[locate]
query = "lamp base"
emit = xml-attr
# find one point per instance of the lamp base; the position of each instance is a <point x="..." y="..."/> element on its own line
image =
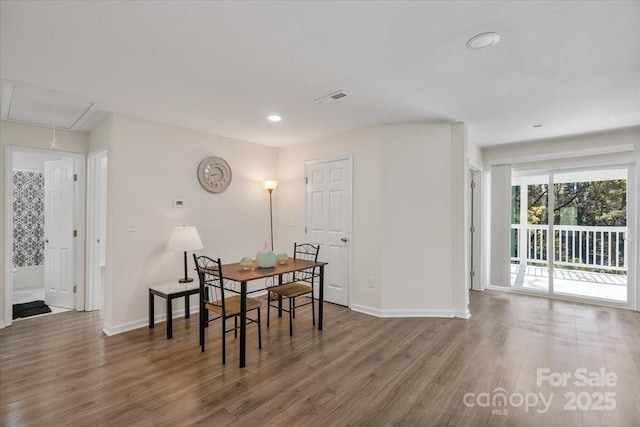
<point x="185" y="280"/>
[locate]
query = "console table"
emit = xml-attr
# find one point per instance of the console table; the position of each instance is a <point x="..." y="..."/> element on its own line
<point x="170" y="291"/>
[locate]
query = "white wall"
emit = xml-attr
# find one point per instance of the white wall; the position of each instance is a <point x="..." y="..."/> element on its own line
<point x="289" y="198"/>
<point x="402" y="214"/>
<point x="475" y="155"/>
<point x="150" y="164"/>
<point x="28" y="277"/>
<point x="12" y="133"/>
<point x="33" y="137"/>
<point x="100" y="136"/>
<point x="563" y="148"/>
<point x="406" y="218"/>
<point x="416" y="219"/>
<point x="31" y="161"/>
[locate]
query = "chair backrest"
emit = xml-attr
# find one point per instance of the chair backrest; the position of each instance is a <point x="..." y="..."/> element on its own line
<point x="309" y="252"/>
<point x="211" y="282"/>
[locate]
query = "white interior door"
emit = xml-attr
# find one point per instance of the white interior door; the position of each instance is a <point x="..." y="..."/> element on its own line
<point x="328" y="222"/>
<point x="58" y="233"/>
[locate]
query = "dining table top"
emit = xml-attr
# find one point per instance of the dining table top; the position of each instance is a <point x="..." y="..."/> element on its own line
<point x="236" y="273"/>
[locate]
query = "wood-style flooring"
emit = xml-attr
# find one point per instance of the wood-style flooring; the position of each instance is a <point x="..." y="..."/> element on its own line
<point x="360" y="371"/>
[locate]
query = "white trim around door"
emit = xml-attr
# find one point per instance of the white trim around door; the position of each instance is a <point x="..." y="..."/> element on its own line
<point x="336" y="247"/>
<point x="96" y="219"/>
<point x="79" y="162"/>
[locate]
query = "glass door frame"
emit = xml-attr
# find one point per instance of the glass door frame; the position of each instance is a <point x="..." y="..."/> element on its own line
<point x="523" y="239"/>
<point x="631" y="168"/>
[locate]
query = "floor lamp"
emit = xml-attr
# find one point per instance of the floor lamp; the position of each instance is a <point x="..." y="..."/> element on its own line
<point x="183" y="239"/>
<point x="270" y="186"/>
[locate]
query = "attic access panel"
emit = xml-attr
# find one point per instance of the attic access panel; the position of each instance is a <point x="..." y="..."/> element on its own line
<point x="34" y="105"/>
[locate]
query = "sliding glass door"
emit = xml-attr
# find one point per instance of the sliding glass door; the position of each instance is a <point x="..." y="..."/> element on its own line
<point x="590" y="230"/>
<point x="530" y="232"/>
<point x="571" y="240"/>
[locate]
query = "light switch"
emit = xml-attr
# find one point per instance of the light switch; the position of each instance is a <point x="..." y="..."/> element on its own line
<point x="131" y="226"/>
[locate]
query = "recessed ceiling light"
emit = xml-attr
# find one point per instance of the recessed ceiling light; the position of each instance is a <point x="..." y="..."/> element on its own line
<point x="483" y="40"/>
<point x="538" y="125"/>
<point x="274" y="118"/>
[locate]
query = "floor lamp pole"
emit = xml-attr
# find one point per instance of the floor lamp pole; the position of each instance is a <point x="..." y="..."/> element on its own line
<point x="271" y="216"/>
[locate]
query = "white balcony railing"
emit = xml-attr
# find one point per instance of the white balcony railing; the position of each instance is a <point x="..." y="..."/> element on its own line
<point x="574" y="245"/>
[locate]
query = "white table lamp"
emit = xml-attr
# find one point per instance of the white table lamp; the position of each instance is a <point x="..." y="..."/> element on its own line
<point x="183" y="239"/>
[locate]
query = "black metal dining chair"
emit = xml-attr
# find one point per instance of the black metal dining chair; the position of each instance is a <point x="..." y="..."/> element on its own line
<point x="213" y="298"/>
<point x="300" y="284"/>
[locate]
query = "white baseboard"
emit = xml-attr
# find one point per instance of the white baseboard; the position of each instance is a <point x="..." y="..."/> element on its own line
<point x="417" y="313"/>
<point x="129" y="326"/>
<point x="402" y="313"/>
<point x="462" y="314"/>
<point x="1" y="324"/>
<point x="365" y="310"/>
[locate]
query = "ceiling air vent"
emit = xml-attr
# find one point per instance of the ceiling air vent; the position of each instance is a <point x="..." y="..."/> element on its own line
<point x="331" y="97"/>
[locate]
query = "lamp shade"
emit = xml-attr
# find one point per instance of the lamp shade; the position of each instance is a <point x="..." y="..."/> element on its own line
<point x="270" y="184"/>
<point x="184" y="238"/>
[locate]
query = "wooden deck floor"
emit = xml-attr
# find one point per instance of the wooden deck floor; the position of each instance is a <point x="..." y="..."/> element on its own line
<point x="359" y="371"/>
<point x="603" y="286"/>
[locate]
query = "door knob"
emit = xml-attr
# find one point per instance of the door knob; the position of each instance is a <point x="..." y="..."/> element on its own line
<point x="344" y="240"/>
<point x="46" y="240"/>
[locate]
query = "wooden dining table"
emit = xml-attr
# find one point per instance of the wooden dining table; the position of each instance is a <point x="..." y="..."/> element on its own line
<point x="235" y="273"/>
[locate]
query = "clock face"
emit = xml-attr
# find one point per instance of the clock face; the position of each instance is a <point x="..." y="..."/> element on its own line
<point x="214" y="174"/>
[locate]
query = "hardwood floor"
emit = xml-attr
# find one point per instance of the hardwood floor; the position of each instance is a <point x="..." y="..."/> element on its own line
<point x="359" y="371"/>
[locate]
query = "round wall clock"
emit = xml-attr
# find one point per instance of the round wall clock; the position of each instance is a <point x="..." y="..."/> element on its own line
<point x="214" y="174"/>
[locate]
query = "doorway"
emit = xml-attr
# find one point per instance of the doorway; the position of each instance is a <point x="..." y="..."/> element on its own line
<point x="570" y="233"/>
<point x="96" y="229"/>
<point x="328" y="222"/>
<point x="474" y="213"/>
<point x="45" y="218"/>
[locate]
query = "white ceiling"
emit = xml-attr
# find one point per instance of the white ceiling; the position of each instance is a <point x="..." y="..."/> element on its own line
<point x="222" y="67"/>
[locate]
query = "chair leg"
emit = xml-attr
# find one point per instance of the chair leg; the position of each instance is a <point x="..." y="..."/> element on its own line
<point x="235" y="326"/>
<point x="224" y="328"/>
<point x="268" y="306"/>
<point x="259" y="330"/>
<point x="313" y="309"/>
<point x="291" y="317"/>
<point x="202" y="322"/>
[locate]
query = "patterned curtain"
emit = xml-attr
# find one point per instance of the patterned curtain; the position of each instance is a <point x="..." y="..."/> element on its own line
<point x="28" y="218"/>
